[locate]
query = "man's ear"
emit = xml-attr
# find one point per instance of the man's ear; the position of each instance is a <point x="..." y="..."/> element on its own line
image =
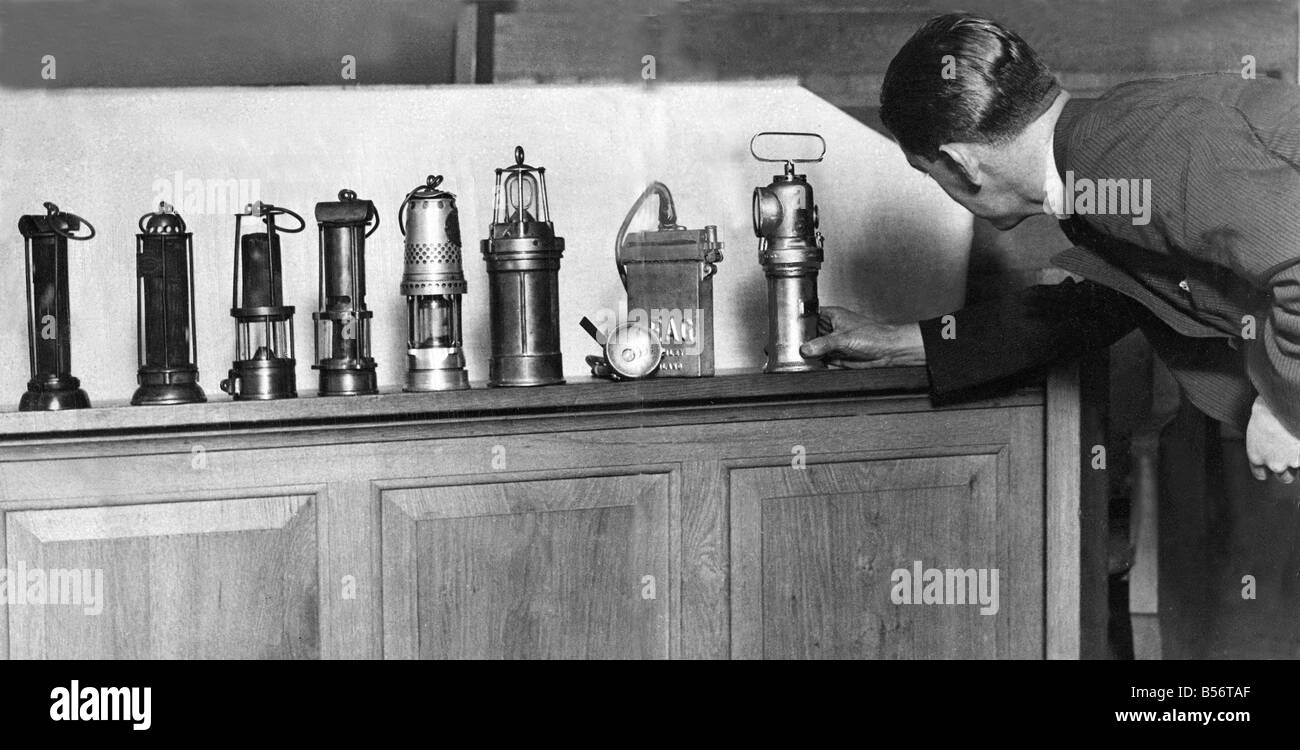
<point x="963" y="161"/>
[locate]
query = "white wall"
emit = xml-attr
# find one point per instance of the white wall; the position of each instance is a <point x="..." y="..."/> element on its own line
<point x="894" y="242"/>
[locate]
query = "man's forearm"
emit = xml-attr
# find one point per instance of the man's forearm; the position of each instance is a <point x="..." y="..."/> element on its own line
<point x="1010" y="339"/>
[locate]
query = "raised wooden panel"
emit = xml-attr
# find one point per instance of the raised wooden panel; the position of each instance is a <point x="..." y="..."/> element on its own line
<point x="521" y="529"/>
<point x="814" y="550"/>
<point x="181" y="580"/>
<point x="541" y="568"/>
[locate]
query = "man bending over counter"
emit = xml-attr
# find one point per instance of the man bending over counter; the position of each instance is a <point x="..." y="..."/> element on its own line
<point x="1181" y="197"/>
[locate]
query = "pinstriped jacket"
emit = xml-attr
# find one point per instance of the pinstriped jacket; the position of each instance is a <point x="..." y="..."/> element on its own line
<point x="1212" y="277"/>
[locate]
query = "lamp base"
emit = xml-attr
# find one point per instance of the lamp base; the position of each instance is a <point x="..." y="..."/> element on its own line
<point x="794" y="366"/>
<point x="261" y="380"/>
<point x="54" y="395"/>
<point x="435" y="369"/>
<point x="511" y="370"/>
<point x="436" y="380"/>
<point x="157" y="394"/>
<point x="347" y="382"/>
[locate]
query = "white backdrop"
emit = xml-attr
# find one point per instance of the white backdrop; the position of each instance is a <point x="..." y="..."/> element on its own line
<point x="894" y="243"/>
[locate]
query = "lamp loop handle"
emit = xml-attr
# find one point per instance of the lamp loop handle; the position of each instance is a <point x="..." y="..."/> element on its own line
<point x="429" y="188"/>
<point x="53" y="210"/>
<point x="375" y="214"/>
<point x="273" y="210"/>
<point x="347" y="195"/>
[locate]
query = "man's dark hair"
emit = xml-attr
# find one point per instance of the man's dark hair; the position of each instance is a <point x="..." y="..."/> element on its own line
<point x="988" y="91"/>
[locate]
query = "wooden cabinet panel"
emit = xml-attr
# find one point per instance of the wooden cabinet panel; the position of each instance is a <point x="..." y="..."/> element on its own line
<point x="194" y="580"/>
<point x="814" y="551"/>
<point x="543" y="568"/>
<point x="649" y="519"/>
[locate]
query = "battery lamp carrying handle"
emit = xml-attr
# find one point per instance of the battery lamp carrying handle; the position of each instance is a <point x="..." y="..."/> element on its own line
<point x="667" y="220"/>
<point x="789" y="162"/>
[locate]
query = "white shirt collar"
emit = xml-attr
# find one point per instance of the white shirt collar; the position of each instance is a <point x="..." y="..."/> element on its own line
<point x="1053" y="188"/>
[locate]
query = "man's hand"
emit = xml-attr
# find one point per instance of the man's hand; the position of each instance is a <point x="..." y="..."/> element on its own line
<point x="854" y="340"/>
<point x="1270" y="447"/>
<point x="831" y="319"/>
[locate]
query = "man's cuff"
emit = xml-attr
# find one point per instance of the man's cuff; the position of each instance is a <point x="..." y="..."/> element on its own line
<point x="1280" y="390"/>
<point x="953" y="366"/>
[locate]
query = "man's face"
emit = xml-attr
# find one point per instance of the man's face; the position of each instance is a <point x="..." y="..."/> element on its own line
<point x="993" y="199"/>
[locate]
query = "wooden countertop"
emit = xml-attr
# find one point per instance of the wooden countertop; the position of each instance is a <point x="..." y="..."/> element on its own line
<point x="580" y="394"/>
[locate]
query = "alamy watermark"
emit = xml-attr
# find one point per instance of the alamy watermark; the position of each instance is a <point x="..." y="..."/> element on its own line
<point x="38" y="587"/>
<point x="953" y="586"/>
<point x="193" y="196"/>
<point x="127" y="704"/>
<point x="1086" y="196"/>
